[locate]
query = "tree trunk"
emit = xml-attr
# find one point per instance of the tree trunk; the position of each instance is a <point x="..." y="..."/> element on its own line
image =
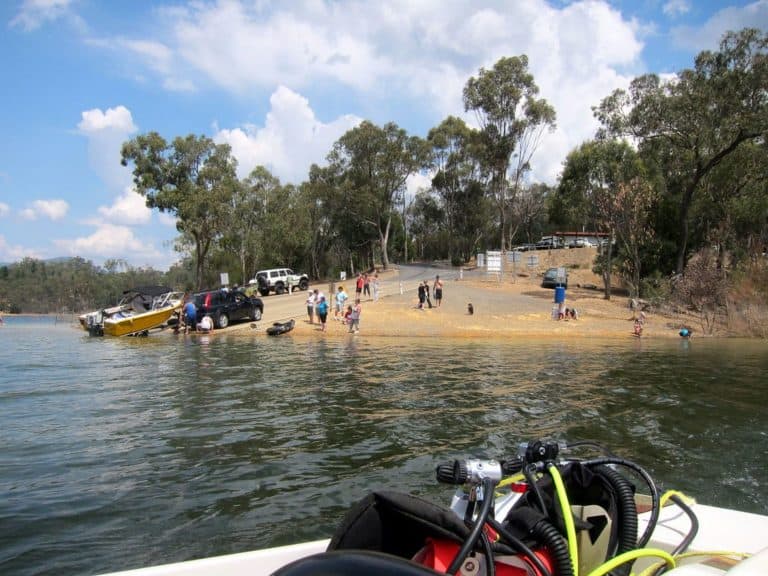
<point x="682" y="246"/>
<point x="607" y="268"/>
<point x="384" y="240"/>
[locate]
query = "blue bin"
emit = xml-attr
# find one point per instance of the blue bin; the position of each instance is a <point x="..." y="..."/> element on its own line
<point x="559" y="294"/>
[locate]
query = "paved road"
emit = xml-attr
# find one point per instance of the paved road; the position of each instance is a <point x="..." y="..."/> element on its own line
<point x="279" y="308"/>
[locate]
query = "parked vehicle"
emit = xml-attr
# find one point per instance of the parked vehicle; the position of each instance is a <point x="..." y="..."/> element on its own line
<point x="551" y="280"/>
<point x="524" y="247"/>
<point x="579" y="243"/>
<point x="549" y="242"/>
<point x="278" y="280"/>
<point x="226" y="306"/>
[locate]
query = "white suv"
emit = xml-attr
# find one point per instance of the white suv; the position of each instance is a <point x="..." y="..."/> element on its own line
<point x="278" y="280"/>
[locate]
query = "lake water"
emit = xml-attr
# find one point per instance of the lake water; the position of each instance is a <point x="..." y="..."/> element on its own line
<point x="120" y="453"/>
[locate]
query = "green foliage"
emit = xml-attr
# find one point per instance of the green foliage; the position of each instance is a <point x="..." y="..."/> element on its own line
<point x="691" y="125"/>
<point x="512" y="121"/>
<point x="192" y="178"/>
<point x="74" y="285"/>
<point x="369" y="167"/>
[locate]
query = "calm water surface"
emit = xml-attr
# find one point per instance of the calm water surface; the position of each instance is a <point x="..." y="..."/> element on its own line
<point x="120" y="453"/>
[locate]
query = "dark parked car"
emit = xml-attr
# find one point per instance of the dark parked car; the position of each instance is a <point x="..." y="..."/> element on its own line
<point x="225" y="306"/>
<point x="550" y="279"/>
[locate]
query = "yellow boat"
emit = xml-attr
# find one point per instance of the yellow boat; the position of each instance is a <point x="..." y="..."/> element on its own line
<point x="126" y="323"/>
<point x="134" y="301"/>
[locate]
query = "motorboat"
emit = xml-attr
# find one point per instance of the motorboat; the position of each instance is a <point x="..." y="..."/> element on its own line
<point x="607" y="531"/>
<point x="130" y="322"/>
<point x="133" y="301"/>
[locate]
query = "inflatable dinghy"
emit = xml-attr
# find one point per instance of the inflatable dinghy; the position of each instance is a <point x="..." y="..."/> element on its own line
<point x="281" y="327"/>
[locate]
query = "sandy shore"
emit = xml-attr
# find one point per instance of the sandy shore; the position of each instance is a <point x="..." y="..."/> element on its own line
<point x="502" y="309"/>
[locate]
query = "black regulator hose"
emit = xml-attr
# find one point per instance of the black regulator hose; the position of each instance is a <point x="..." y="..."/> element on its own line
<point x="474" y="535"/>
<point x="625" y="496"/>
<point x="490" y="565"/>
<point x="520" y="546"/>
<point x="655" y="501"/>
<point x="556" y="544"/>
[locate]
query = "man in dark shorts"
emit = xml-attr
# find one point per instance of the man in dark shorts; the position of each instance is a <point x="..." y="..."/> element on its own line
<point x="438" y="288"/>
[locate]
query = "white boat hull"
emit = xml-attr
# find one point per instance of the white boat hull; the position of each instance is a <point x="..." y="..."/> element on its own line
<point x="720" y="529"/>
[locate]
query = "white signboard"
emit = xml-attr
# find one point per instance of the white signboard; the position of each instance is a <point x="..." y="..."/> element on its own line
<point x="533" y="261"/>
<point x="481" y="260"/>
<point x="494" y="261"/>
<point x="224" y="276"/>
<point x="343" y="275"/>
<point x="514" y="256"/>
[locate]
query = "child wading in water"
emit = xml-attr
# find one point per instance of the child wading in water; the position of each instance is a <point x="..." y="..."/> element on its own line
<point x="354" y="318"/>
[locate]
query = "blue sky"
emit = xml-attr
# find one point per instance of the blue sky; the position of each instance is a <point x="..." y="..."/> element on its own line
<point x="280" y="82"/>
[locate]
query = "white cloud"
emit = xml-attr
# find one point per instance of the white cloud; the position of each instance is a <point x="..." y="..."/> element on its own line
<point x="112" y="241"/>
<point x="413" y="58"/>
<point x="14" y="253"/>
<point x="4" y="209"/>
<point x="128" y="209"/>
<point x="106" y="131"/>
<point x="291" y="139"/>
<point x="116" y="119"/>
<point x="166" y="219"/>
<point x="418" y="182"/>
<point x="51" y="209"/>
<point x="35" y="13"/>
<point x="675" y="8"/>
<point x="708" y="36"/>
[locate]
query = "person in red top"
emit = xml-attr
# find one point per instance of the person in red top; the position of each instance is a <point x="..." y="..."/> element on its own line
<point x="359" y="286"/>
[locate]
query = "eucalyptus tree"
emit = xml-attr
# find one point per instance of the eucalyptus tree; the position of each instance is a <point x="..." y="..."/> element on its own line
<point x="530" y="211"/>
<point x="609" y="176"/>
<point x="693" y="122"/>
<point x="192" y="178"/>
<point x="427" y="226"/>
<point x="512" y="121"/>
<point x="247" y="217"/>
<point x="373" y="165"/>
<point x="733" y="205"/>
<point x="457" y="181"/>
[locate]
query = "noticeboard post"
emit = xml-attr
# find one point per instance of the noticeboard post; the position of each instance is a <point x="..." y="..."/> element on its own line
<point x="493" y="262"/>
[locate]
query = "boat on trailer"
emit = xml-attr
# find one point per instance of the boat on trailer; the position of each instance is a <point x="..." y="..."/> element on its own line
<point x="669" y="533"/>
<point x="134" y="301"/>
<point x="126" y="323"/>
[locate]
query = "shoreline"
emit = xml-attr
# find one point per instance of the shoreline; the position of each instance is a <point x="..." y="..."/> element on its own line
<point x="508" y="309"/>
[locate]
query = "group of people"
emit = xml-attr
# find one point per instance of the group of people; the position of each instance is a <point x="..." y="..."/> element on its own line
<point x="424" y="291"/>
<point x="189" y="318"/>
<point x="317" y="304"/>
<point x="566" y="313"/>
<point x="363" y="286"/>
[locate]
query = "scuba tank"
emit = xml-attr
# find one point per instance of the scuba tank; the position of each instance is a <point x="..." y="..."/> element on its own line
<point x="534" y="514"/>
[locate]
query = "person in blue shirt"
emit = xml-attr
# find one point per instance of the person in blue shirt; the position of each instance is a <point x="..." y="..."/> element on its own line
<point x="190" y="315"/>
<point x="322" y="312"/>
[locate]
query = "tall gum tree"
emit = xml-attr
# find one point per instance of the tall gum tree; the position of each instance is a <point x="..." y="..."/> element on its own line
<point x="512" y="120"/>
<point x="691" y="123"/>
<point x="193" y="178"/>
<point x="457" y="182"/>
<point x="374" y="164"/>
<point x="606" y="178"/>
